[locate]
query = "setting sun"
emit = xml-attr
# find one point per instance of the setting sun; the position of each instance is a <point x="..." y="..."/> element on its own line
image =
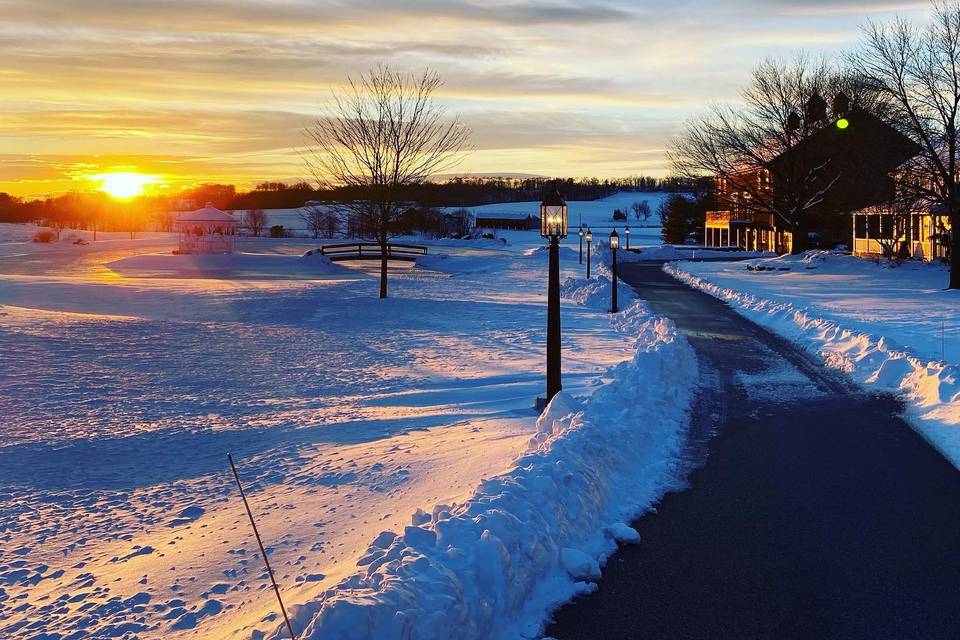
<point x="123" y="184"/>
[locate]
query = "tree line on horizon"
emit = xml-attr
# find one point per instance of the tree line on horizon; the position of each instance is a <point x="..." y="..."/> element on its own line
<point x="84" y="210"/>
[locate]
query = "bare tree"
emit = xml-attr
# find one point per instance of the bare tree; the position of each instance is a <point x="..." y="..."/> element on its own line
<point x="915" y="71"/>
<point x="384" y="134"/>
<point x="319" y="219"/>
<point x="164" y="220"/>
<point x="893" y="218"/>
<point x="641" y="210"/>
<point x="763" y="141"/>
<point x="256" y="221"/>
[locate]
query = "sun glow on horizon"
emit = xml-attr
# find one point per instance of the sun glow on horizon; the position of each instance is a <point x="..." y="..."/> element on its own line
<point x="123" y="184"/>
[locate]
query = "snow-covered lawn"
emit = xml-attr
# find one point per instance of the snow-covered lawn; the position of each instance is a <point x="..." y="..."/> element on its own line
<point x="127" y="374"/>
<point x="595" y="213"/>
<point x="590" y="212"/>
<point x="890" y="327"/>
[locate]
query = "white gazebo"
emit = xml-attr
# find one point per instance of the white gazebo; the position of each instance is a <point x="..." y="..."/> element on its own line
<point x="206" y="230"/>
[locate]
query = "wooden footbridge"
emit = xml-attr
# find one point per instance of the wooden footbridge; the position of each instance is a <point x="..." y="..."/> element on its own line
<point x="371" y="251"/>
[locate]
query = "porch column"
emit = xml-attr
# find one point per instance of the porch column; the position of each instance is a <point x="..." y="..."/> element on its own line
<point x="866" y="233"/>
<point x="853" y="234"/>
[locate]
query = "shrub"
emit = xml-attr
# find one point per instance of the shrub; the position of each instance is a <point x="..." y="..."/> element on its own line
<point x="45" y="235"/>
<point x="683" y="218"/>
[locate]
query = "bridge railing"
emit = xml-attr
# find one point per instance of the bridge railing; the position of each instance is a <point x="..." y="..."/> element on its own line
<point x="371" y="250"/>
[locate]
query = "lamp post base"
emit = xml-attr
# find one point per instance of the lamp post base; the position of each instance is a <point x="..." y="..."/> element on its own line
<point x="541" y="404"/>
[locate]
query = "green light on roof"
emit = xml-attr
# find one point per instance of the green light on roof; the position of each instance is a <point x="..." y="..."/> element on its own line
<point x="843" y="123"/>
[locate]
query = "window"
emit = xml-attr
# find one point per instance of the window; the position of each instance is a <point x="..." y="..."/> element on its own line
<point x="860" y="226"/>
<point x="886" y="226"/>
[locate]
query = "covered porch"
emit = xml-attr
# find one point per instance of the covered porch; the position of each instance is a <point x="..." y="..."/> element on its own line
<point x="921" y="235"/>
<point x="748" y="231"/>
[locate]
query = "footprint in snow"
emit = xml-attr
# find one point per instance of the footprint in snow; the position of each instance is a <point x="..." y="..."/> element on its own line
<point x="188" y="515"/>
<point x="142" y="551"/>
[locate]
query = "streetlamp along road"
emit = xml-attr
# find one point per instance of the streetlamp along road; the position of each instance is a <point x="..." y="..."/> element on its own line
<point x="580" y="233"/>
<point x="553" y="226"/>
<point x="614" y="245"/>
<point x="589" y="237"/>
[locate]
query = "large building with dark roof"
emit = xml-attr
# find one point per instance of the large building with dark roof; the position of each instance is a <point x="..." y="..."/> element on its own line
<point x="855" y="155"/>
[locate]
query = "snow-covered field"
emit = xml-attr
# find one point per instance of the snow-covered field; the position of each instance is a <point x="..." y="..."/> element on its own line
<point x="890" y="327"/>
<point x="389" y="447"/>
<point x="597" y="214"/>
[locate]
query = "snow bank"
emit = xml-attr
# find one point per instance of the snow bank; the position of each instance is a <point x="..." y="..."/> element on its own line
<point x="316" y="259"/>
<point x="671" y="252"/>
<point x="536" y="536"/>
<point x="459" y="264"/>
<point x="929" y="388"/>
<point x="602" y="254"/>
<point x="596" y="292"/>
<point x="543" y="253"/>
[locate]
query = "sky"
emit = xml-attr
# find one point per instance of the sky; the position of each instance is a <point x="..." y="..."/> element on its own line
<point x="193" y="91"/>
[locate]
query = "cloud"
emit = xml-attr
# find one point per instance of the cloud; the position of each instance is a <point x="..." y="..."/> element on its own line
<point x="226" y="86"/>
<point x="303" y="14"/>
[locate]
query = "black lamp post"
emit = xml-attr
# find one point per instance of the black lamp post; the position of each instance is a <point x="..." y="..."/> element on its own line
<point x="614" y="245"/>
<point x="580" y="233"/>
<point x="626" y="232"/>
<point x="589" y="238"/>
<point x="553" y="225"/>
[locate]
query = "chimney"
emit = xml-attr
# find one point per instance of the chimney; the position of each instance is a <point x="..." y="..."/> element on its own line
<point x="841" y="105"/>
<point x="815" y="109"/>
<point x="793" y="121"/>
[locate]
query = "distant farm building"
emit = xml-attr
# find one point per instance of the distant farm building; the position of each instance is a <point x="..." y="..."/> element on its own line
<point x="512" y="221"/>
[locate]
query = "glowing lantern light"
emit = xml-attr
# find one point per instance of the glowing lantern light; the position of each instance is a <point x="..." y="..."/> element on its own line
<point x="553" y="216"/>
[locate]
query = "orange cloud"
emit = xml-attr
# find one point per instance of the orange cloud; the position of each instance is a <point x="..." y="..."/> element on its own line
<point x="203" y="90"/>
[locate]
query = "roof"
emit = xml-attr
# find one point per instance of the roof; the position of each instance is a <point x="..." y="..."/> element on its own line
<point x="207" y="214"/>
<point x="553" y="199"/>
<point x="922" y="156"/>
<point x="935" y="209"/>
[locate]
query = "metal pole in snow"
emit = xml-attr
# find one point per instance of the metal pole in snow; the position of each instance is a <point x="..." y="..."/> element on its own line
<point x="588" y="259"/>
<point x="262" y="550"/>
<point x="554" y="385"/>
<point x="613" y="305"/>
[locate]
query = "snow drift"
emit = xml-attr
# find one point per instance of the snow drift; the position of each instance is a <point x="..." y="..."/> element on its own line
<point x="595" y="293"/>
<point x="459" y="264"/>
<point x="221" y="264"/>
<point x="930" y="388"/>
<point x="534" y="537"/>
